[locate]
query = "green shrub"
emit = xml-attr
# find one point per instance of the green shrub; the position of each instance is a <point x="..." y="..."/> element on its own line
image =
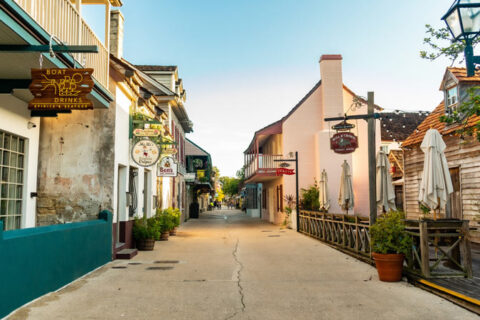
<point x="388" y="234"/>
<point x="165" y="220"/>
<point x="145" y="229"/>
<point x="309" y="199"/>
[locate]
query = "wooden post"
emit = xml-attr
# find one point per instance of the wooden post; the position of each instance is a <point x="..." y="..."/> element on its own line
<point x="372" y="186"/>
<point x="357" y="234"/>
<point x="424" y="253"/>
<point x="465" y="249"/>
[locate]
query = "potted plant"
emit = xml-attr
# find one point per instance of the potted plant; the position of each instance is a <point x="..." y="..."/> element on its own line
<point x="145" y="232"/>
<point x="165" y="224"/>
<point x="290" y="200"/>
<point x="175" y="215"/>
<point x="390" y="244"/>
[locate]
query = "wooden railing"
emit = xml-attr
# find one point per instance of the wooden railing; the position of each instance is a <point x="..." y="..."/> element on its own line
<point x="441" y="249"/>
<point x="60" y="18"/>
<point x="347" y="233"/>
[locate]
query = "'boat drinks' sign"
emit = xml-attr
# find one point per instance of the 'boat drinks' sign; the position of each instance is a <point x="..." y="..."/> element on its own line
<point x="58" y="89"/>
<point x="343" y="142"/>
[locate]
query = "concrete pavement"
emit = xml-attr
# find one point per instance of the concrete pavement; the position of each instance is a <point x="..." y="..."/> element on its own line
<point x="228" y="266"/>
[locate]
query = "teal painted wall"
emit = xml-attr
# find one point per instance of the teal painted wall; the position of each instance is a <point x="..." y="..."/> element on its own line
<point x="36" y="261"/>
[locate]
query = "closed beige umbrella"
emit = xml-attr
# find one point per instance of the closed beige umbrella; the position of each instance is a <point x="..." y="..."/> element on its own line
<point x="345" y="197"/>
<point x="323" y="198"/>
<point x="385" y="191"/>
<point x="436" y="182"/>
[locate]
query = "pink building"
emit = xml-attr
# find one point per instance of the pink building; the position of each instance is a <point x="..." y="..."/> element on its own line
<point x="304" y="130"/>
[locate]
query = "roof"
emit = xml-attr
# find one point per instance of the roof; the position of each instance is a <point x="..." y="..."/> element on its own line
<point x="461" y="74"/>
<point x="146" y="67"/>
<point x="273" y="128"/>
<point x="398" y="126"/>
<point x="192" y="149"/>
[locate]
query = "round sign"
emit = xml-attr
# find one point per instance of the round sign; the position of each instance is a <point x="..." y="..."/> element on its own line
<point x="145" y="153"/>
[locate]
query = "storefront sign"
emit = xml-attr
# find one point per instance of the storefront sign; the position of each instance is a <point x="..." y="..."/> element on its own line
<point x="343" y="142"/>
<point x="146" y="132"/>
<point x="284" y="165"/>
<point x="189" y="177"/>
<point x="167" y="167"/>
<point x="170" y="151"/>
<point x="145" y="153"/>
<point x="61" y="89"/>
<point x="283" y="171"/>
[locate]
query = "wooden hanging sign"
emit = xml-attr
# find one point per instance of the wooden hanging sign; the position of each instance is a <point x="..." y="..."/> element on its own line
<point x="343" y="142"/>
<point x="61" y="89"/>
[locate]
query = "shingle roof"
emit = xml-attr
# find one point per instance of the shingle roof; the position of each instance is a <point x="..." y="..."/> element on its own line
<point x="398" y="126"/>
<point x="461" y="74"/>
<point x="156" y="68"/>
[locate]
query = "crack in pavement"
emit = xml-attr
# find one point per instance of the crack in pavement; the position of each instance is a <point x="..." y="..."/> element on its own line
<point x="238" y="280"/>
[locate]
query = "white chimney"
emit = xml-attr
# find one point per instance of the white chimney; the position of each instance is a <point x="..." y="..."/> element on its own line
<point x="332" y="85"/>
<point x="116" y="33"/>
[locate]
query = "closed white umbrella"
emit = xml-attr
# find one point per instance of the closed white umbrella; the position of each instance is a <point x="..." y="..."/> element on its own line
<point x="436" y="182"/>
<point x="385" y="191"/>
<point x="323" y="192"/>
<point x="345" y="197"/>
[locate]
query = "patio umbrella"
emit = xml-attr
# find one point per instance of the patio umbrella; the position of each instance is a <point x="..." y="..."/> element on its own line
<point x="436" y="182"/>
<point x="345" y="197"/>
<point x="385" y="191"/>
<point x="323" y="192"/>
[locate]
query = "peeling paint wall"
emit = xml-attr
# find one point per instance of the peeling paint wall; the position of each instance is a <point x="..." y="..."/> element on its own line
<point x="76" y="166"/>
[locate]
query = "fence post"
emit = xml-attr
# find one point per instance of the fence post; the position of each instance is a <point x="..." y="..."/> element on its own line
<point x="105" y="215"/>
<point x="357" y="235"/>
<point x="424" y="250"/>
<point x="465" y="250"/>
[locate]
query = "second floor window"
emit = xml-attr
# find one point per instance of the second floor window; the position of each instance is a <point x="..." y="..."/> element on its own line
<point x="451" y="99"/>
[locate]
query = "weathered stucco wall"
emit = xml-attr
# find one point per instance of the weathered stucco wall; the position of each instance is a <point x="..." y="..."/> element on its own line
<point x="75" y="167"/>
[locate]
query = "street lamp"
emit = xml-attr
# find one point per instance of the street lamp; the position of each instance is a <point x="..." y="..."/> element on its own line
<point x="463" y="22"/>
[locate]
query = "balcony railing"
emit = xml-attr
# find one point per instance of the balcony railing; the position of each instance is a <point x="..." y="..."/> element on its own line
<point x="264" y="164"/>
<point x="60" y="18"/>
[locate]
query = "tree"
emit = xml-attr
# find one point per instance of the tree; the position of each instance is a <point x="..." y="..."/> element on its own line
<point x="442" y="44"/>
<point x="230" y="185"/>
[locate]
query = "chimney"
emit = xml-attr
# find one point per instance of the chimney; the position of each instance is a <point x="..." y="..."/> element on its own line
<point x="332" y="85"/>
<point x="116" y="33"/>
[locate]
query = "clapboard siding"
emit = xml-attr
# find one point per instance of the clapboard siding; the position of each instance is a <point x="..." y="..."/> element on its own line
<point x="464" y="154"/>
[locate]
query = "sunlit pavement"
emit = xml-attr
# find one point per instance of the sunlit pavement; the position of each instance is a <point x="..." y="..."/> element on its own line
<point x="228" y="266"/>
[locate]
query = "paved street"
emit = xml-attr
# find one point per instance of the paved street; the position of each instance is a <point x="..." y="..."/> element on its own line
<point x="228" y="266"/>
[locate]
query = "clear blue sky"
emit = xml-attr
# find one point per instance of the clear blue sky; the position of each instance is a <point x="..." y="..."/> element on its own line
<point x="246" y="63"/>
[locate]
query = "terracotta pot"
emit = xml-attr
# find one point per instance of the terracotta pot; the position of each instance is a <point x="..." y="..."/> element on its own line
<point x="173" y="232"/>
<point x="145" y="244"/>
<point x="164" y="236"/>
<point x="389" y="266"/>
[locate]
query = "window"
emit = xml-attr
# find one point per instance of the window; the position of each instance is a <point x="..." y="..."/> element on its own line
<point x="451" y="98"/>
<point x="12" y="173"/>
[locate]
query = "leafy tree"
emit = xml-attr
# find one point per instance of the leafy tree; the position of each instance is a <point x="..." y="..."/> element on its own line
<point x="442" y="44"/>
<point x="230" y="185"/>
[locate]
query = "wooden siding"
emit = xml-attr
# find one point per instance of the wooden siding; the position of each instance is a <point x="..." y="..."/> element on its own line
<point x="462" y="154"/>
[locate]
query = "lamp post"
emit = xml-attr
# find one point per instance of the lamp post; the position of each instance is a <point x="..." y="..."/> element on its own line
<point x="463" y="22"/>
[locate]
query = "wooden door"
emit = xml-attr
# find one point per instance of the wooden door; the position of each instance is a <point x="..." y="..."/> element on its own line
<point x="454" y="205"/>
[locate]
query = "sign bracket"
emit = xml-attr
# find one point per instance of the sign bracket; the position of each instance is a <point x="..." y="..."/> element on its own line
<point x="25" y="48"/>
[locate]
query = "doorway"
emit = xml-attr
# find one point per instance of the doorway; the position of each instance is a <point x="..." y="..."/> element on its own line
<point x="121" y="200"/>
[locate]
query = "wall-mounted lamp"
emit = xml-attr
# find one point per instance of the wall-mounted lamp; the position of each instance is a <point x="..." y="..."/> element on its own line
<point x="31" y="125"/>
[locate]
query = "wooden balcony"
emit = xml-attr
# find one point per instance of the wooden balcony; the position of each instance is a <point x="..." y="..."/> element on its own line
<point x="262" y="166"/>
<point x="60" y="18"/>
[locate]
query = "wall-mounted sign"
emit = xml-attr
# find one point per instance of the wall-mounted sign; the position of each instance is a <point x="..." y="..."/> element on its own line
<point x="167" y="167"/>
<point x="189" y="177"/>
<point x="61" y="89"/>
<point x="146" y="132"/>
<point x="284" y="171"/>
<point x="145" y="153"/>
<point x="344" y="142"/>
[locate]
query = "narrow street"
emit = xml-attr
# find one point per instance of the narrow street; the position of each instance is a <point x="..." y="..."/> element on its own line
<point x="228" y="266"/>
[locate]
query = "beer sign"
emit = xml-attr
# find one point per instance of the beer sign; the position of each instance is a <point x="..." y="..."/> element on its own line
<point x="57" y="89"/>
<point x="344" y="142"/>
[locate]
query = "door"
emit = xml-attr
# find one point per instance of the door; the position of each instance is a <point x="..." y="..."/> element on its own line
<point x="454" y="204"/>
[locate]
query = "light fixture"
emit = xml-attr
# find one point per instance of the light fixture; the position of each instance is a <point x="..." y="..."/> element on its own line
<point x="463" y="22"/>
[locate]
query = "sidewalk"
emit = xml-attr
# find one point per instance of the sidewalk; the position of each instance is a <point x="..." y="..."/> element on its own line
<point x="228" y="266"/>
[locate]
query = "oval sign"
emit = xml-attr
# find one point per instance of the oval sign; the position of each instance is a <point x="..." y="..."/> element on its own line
<point x="344" y="142"/>
<point x="145" y="153"/>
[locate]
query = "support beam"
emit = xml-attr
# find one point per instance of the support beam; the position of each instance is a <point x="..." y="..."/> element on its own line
<point x="7" y="85"/>
<point x="372" y="184"/>
<point x="46" y="48"/>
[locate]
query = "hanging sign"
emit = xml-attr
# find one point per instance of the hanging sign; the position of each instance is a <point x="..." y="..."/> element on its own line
<point x="170" y="151"/>
<point x="61" y="89"/>
<point x="343" y="142"/>
<point x="284" y="171"/>
<point x="145" y="153"/>
<point x="343" y="126"/>
<point x="167" y="167"/>
<point x="146" y="132"/>
<point x="284" y="165"/>
<point x="189" y="177"/>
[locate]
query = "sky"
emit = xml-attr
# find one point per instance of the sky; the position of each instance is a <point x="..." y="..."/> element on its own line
<point x="245" y="64"/>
